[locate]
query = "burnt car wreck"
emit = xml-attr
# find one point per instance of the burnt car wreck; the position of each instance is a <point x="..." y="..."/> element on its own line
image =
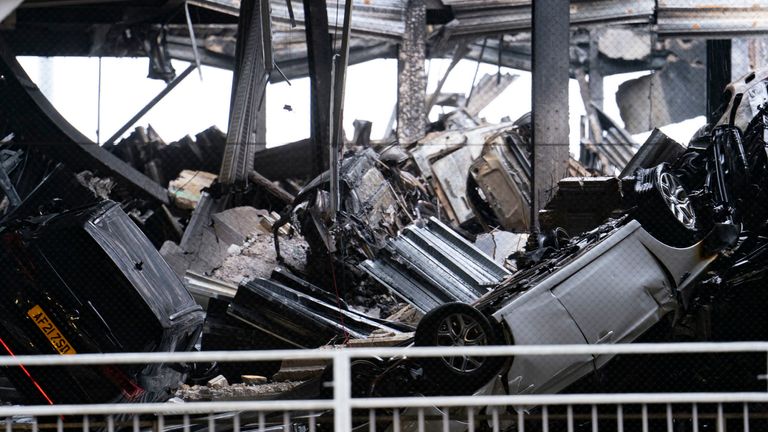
<point x="394" y="265"/>
<point x="441" y="233"/>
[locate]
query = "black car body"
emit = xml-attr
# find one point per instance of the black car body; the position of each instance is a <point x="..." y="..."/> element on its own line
<point x="88" y="281"/>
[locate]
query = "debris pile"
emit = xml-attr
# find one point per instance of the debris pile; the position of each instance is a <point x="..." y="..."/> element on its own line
<point x="430" y="243"/>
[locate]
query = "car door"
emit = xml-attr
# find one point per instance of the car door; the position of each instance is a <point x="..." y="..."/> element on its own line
<point x="619" y="294"/>
<point x="538" y="318"/>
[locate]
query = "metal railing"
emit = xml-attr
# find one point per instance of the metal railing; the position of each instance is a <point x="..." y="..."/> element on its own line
<point x="620" y="412"/>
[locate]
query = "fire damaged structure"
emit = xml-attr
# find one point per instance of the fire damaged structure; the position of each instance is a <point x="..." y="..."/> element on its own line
<point x="455" y="232"/>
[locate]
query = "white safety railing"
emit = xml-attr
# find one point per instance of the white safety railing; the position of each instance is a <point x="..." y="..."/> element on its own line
<point x="628" y="411"/>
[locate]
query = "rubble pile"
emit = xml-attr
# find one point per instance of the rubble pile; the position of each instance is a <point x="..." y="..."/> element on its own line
<point x="227" y="392"/>
<point x="427" y="244"/>
<point x="149" y="154"/>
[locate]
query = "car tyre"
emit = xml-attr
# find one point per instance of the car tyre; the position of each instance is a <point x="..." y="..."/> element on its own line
<point x="664" y="207"/>
<point x="458" y="324"/>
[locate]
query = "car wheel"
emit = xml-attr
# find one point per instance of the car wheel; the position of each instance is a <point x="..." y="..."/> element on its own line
<point x="455" y="325"/>
<point x="664" y="207"/>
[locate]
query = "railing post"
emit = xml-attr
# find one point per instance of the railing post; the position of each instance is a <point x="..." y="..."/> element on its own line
<point x="342" y="392"/>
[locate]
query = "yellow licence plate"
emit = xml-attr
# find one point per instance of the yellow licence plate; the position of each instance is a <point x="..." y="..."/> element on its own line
<point x="49" y="329"/>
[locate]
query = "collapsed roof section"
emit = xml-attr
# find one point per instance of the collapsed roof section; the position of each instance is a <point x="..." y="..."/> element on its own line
<point x="135" y="27"/>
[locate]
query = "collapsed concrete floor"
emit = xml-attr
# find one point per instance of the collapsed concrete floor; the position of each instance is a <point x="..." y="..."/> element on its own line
<point x="426" y="244"/>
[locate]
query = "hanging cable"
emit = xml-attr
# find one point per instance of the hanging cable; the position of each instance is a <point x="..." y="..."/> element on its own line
<point x="26" y="372"/>
<point x="194" y="40"/>
<point x="98" y="108"/>
<point x="477" y="69"/>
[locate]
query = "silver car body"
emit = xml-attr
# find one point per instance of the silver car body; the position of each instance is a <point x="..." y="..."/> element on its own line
<point x="612" y="293"/>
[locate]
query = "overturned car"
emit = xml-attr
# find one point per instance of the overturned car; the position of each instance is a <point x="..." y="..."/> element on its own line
<point x="692" y="231"/>
<point x="84" y="279"/>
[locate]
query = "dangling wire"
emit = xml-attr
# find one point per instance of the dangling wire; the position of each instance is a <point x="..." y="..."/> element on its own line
<point x="193" y="39"/>
<point x="477" y="69"/>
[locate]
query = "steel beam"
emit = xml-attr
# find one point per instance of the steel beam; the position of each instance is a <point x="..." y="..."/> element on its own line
<point x="551" y="61"/>
<point x="412" y="77"/>
<point x="339" y="78"/>
<point x="151" y="104"/>
<point x="596" y="93"/>
<point x="40" y="126"/>
<point x="247" y="111"/>
<point x="319" y="59"/>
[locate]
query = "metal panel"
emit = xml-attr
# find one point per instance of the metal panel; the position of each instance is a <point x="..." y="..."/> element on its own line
<point x="247" y="114"/>
<point x="473" y="17"/>
<point x="711" y="17"/>
<point x="382" y="18"/>
<point x="432" y="265"/>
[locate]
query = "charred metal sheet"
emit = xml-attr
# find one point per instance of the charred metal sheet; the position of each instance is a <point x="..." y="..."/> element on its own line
<point x="475" y="17"/>
<point x="657" y="149"/>
<point x="582" y="203"/>
<point x="490" y="87"/>
<point x="503" y="174"/>
<point x="673" y="91"/>
<point x="300" y="314"/>
<point x="253" y="61"/>
<point x="707" y="18"/>
<point x="381" y="19"/>
<point x="286" y="161"/>
<point x="430" y="265"/>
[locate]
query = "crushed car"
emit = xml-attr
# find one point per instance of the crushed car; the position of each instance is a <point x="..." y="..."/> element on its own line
<point x="84" y="279"/>
<point x="691" y="234"/>
<point x="688" y="223"/>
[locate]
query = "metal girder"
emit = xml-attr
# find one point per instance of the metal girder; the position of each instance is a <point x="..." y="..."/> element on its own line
<point x="551" y="63"/>
<point x="246" y="118"/>
<point x="412" y="77"/>
<point x="320" y="56"/>
<point x="711" y="18"/>
<point x="478" y="17"/>
<point x="38" y="125"/>
<point x="176" y="81"/>
<point x="379" y="19"/>
<point x="337" y="108"/>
